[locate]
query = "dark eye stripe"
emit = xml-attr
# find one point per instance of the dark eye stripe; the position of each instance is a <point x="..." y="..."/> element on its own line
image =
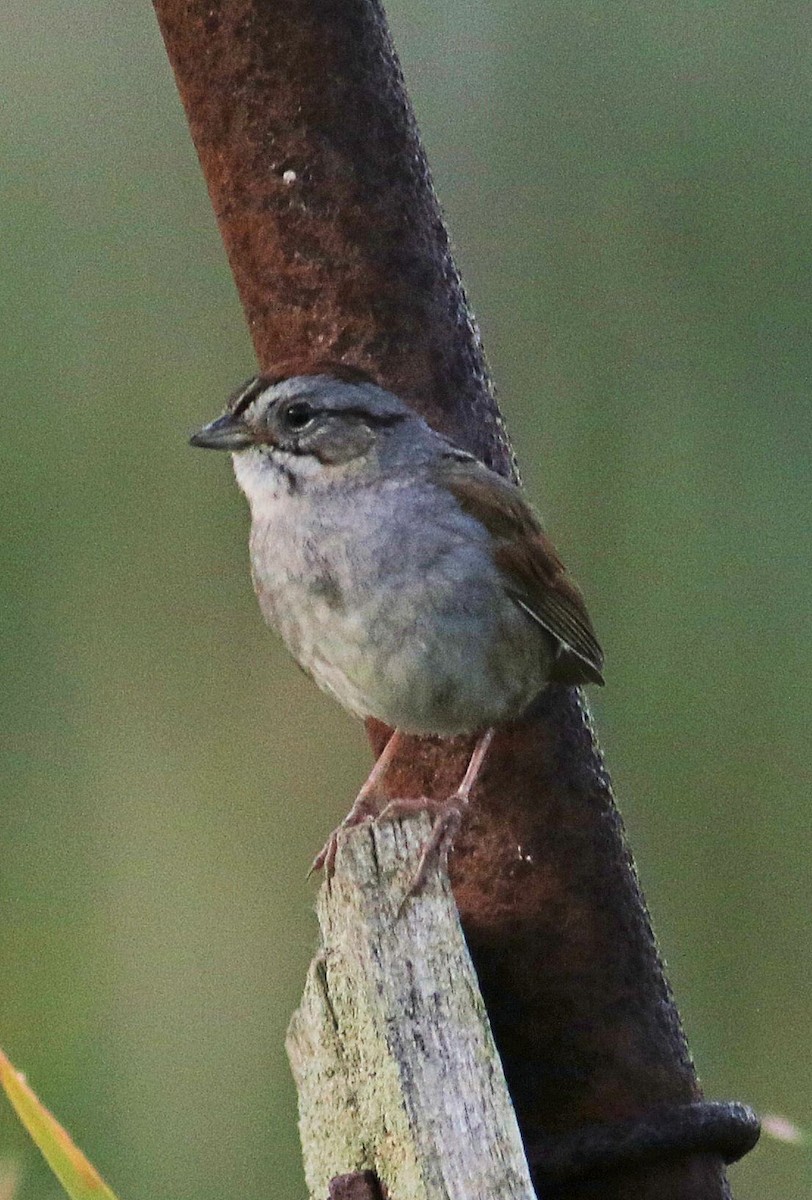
<point x="358" y="413"/>
<point x="370" y="418"/>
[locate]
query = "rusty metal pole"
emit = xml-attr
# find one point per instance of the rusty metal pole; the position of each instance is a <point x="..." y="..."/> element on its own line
<point x="324" y="199"/>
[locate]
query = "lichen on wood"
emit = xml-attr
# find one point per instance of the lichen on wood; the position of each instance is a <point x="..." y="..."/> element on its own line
<point x="391" y="1048"/>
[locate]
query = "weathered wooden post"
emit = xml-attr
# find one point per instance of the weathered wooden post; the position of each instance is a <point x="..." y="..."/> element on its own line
<point x="391" y="1048"/>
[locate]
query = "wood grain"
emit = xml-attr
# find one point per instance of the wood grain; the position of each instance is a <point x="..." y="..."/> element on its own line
<point x="391" y="1047"/>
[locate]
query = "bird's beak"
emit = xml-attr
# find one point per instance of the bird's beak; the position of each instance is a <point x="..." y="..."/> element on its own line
<point x="228" y="432"/>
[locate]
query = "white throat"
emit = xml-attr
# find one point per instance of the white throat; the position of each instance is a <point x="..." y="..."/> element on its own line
<point x="266" y="479"/>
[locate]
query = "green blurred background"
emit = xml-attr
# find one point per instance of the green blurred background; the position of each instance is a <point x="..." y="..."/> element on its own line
<point x="628" y="188"/>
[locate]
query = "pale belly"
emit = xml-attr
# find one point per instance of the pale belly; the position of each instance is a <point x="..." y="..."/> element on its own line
<point x="429" y="653"/>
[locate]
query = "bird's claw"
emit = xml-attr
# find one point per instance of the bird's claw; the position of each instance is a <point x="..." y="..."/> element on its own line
<point x="326" y="858"/>
<point x="447" y="816"/>
<point x="447" y="819"/>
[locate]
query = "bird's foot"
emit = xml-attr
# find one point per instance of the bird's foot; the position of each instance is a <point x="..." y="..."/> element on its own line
<point x="367" y="805"/>
<point x="447" y="816"/>
<point x="362" y="810"/>
<point x="447" y="819"/>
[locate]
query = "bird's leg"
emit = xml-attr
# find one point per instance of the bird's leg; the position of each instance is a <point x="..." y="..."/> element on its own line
<point x="364" y="807"/>
<point x="447" y="814"/>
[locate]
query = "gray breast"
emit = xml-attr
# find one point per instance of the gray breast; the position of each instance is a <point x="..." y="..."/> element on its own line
<point x="389" y="598"/>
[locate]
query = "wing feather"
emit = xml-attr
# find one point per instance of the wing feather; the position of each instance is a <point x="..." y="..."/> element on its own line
<point x="535" y="577"/>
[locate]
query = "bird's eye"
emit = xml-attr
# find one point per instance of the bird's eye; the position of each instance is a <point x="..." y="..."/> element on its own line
<point x="298" y="416"/>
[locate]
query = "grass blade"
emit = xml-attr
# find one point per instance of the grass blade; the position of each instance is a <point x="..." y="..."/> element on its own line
<point x="78" y="1177"/>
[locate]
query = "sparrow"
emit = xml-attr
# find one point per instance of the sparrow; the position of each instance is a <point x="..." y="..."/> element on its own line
<point x="413" y="583"/>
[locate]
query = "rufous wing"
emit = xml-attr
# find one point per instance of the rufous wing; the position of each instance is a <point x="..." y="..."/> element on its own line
<point x="535" y="577"/>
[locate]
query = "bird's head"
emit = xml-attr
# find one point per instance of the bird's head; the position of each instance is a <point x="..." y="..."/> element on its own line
<point x="331" y="423"/>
